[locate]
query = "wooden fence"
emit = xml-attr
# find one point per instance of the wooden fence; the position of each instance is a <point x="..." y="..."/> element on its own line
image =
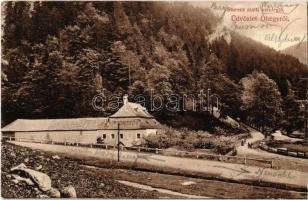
<point x="184" y="154"/>
<point x="283" y="151"/>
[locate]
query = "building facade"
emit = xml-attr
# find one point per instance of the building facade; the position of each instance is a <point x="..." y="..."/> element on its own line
<point x="132" y="121"/>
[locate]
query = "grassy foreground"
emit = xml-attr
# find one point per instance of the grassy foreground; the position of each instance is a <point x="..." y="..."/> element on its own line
<point x="63" y="172"/>
<point x="100" y="181"/>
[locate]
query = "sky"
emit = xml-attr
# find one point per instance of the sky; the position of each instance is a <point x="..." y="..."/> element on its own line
<point x="277" y="34"/>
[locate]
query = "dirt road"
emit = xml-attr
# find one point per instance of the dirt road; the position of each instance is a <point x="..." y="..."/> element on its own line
<point x="279" y="160"/>
<point x="220" y="169"/>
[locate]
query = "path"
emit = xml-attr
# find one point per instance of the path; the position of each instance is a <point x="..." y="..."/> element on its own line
<point x="278" y="136"/>
<point x="255" y="136"/>
<point x="161" y="190"/>
<point x="214" y="168"/>
<point x="258" y="136"/>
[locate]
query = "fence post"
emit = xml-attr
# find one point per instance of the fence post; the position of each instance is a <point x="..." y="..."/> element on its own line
<point x="245" y="160"/>
<point x="156" y="150"/>
<point x="106" y="146"/>
<point x="91" y="145"/>
<point x="10" y="138"/>
<point x="138" y="149"/>
<point x="197" y="154"/>
<point x="272" y="163"/>
<point x="51" y="142"/>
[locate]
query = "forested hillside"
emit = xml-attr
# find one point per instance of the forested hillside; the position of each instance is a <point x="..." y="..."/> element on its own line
<point x="58" y="55"/>
<point x="299" y="51"/>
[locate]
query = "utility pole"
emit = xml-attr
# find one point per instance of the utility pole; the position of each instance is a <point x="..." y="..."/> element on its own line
<point x="118" y="142"/>
<point x="208" y="99"/>
<point x="129" y="82"/>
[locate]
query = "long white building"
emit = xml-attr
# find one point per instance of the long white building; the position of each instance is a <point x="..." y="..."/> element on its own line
<point x="134" y="121"/>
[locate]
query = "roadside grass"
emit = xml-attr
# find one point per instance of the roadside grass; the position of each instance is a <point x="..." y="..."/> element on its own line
<point x="111" y="164"/>
<point x="202" y="187"/>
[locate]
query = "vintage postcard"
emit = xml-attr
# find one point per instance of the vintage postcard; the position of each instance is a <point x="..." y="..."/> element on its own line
<point x="154" y="99"/>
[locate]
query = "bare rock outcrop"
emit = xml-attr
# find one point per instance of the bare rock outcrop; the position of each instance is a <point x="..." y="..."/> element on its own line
<point x="42" y="180"/>
<point x="68" y="192"/>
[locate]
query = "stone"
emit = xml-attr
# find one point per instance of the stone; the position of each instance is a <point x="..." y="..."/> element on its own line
<point x="186" y="183"/>
<point x="39" y="167"/>
<point x="17" y="179"/>
<point x="37" y="191"/>
<point x="68" y="192"/>
<point x="42" y="180"/>
<point x="26" y="160"/>
<point x="56" y="157"/>
<point x="13" y="154"/>
<point x="43" y="196"/>
<point x="102" y="185"/>
<point x="19" y="167"/>
<point x="54" y="193"/>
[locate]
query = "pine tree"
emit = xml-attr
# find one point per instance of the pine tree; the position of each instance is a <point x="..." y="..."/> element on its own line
<point x="292" y="112"/>
<point x="17" y="23"/>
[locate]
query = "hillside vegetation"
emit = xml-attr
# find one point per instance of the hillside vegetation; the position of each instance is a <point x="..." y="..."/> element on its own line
<point x="58" y="55"/>
<point x="298" y="51"/>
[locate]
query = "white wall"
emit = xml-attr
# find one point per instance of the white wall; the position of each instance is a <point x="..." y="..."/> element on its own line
<point x="129" y="136"/>
<point x="151" y="131"/>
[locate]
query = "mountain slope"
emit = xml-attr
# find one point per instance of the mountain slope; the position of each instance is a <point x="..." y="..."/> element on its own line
<point x="299" y="51"/>
<point x="125" y="47"/>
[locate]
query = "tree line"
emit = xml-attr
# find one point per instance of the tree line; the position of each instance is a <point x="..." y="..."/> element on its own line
<point x="58" y="55"/>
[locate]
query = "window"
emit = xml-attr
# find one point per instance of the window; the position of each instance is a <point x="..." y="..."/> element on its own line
<point x="121" y="136"/>
<point x="112" y="135"/>
<point x="138" y="135"/>
<point x="104" y="136"/>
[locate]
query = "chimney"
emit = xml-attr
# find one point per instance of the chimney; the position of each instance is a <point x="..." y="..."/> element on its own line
<point x="125" y="99"/>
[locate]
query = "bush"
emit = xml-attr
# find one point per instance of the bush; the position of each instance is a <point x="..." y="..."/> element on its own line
<point x="185" y="139"/>
<point x="223" y="145"/>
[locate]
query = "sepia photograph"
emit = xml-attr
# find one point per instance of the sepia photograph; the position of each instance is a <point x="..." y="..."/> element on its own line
<point x="154" y="99"/>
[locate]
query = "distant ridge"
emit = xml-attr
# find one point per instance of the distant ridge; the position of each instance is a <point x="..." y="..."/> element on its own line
<point x="299" y="51"/>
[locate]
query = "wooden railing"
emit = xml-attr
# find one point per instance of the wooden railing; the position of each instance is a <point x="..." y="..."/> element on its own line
<point x="282" y="151"/>
<point x="185" y="154"/>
